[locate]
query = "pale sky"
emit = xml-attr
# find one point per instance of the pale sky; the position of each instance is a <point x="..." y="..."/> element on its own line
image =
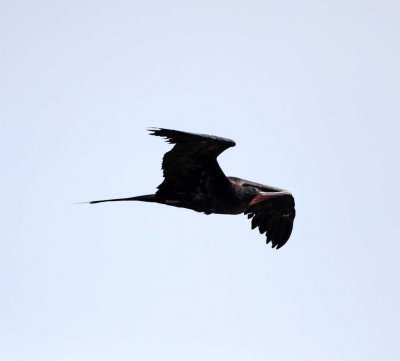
<point x="310" y="93"/>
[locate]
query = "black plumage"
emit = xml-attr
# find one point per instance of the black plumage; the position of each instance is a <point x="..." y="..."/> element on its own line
<point x="193" y="179"/>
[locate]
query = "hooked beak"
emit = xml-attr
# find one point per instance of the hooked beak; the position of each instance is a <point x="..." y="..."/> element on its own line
<point x="268" y="195"/>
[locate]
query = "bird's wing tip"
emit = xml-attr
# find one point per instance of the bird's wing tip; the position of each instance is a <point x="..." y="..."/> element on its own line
<point x="153" y="130"/>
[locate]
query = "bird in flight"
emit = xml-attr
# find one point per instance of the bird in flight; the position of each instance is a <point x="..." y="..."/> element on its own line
<point x="193" y="179"/>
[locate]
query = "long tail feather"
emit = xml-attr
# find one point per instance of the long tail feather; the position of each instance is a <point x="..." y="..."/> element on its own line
<point x="145" y="198"/>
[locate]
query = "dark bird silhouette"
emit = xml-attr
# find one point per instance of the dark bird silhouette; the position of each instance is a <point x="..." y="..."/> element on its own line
<point x="193" y="179"/>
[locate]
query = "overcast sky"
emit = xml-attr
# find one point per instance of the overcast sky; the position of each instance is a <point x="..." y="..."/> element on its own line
<point x="310" y="93"/>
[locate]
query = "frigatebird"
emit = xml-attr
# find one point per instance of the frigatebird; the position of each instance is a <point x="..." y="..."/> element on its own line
<point x="193" y="179"/>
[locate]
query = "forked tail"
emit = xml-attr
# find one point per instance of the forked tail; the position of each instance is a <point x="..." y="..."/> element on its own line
<point x="145" y="198"/>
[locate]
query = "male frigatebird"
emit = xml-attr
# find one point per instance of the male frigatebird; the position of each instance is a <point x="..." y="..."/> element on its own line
<point x="194" y="180"/>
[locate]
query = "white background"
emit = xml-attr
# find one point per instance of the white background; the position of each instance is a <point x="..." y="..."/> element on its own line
<point x="310" y="93"/>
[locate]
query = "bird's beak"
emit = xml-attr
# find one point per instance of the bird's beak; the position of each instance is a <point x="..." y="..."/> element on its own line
<point x="263" y="196"/>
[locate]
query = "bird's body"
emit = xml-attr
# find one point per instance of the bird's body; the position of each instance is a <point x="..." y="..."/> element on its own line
<point x="194" y="180"/>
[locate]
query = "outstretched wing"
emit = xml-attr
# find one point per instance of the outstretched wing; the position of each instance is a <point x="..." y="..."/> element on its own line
<point x="273" y="216"/>
<point x="190" y="168"/>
